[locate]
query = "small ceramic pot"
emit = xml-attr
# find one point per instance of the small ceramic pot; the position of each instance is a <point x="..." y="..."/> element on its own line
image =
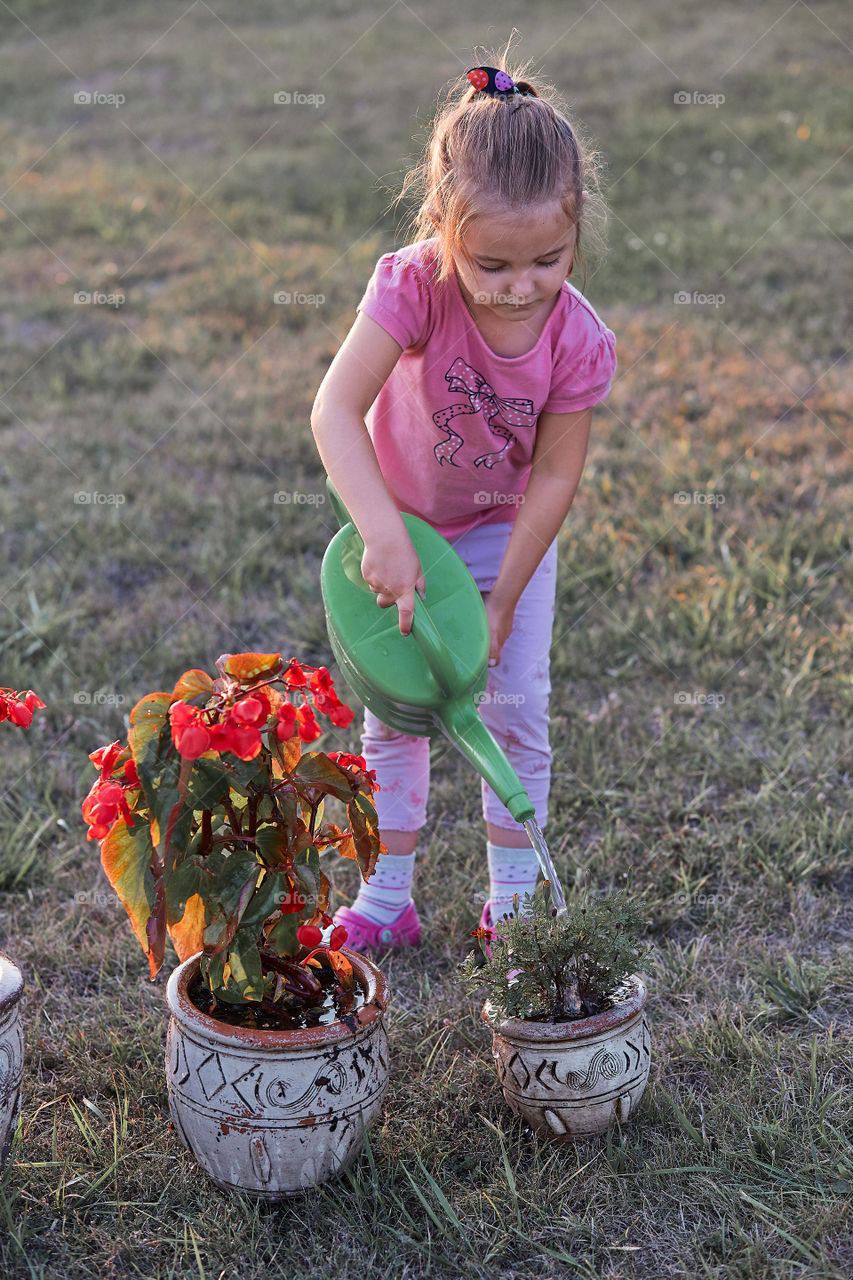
<point x="272" y="1113"/>
<point x="573" y="1079"/>
<point x="11" y="1052"/>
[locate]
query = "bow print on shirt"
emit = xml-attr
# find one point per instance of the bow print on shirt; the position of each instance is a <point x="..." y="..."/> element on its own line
<point x="500" y="414"/>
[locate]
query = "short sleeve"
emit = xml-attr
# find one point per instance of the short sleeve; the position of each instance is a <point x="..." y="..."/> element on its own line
<point x="584" y="363"/>
<point x="397" y="297"/>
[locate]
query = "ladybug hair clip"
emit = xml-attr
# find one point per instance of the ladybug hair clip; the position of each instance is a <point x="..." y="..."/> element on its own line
<point x="491" y="81"/>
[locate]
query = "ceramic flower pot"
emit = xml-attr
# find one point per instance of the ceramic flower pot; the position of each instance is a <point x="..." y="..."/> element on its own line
<point x="11" y="1052"/>
<point x="272" y="1113"/>
<point x="573" y="1079"/>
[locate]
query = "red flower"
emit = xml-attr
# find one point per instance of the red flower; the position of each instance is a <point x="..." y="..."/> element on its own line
<point x="321" y="682"/>
<point x="291" y="901"/>
<point x="345" y="760"/>
<point x="130" y="774"/>
<point x="20" y="714"/>
<point x="356" y="765"/>
<point x="286" y="716"/>
<point x="294" y="675"/>
<point x="102" y="807"/>
<point x="105" y="758"/>
<point x="338" y="937"/>
<point x="341" y="715"/>
<point x="190" y="734"/>
<point x="308" y="726"/>
<point x="252" y="711"/>
<point x="242" y="740"/>
<point x="19" y="707"/>
<point x="308" y="935"/>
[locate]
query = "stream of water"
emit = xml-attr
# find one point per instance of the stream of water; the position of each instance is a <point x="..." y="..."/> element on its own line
<point x="534" y="832"/>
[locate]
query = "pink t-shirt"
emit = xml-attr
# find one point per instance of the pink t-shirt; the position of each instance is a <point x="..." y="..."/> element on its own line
<point x="454" y="425"/>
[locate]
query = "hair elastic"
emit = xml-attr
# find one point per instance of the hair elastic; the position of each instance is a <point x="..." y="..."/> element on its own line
<point x="491" y="81"/>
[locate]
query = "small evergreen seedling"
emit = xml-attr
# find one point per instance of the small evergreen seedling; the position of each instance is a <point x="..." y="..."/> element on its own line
<point x="545" y="967"/>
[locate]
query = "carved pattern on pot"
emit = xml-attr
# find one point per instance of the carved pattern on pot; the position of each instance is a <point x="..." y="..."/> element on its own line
<point x="271" y="1113"/>
<point x="579" y="1084"/>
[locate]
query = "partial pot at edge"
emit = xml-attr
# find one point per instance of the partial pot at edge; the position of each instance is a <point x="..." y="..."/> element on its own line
<point x="11" y="1052"/>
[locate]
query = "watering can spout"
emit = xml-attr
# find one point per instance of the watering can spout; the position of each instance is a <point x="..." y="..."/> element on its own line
<point x="464" y="726"/>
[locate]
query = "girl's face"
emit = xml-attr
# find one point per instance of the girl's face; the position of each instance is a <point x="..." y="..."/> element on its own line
<point x="515" y="262"/>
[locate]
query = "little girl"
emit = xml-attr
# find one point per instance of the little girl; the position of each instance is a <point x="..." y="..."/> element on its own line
<point x="463" y="394"/>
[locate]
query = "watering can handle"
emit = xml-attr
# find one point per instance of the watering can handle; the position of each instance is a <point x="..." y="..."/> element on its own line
<point x="436" y="653"/>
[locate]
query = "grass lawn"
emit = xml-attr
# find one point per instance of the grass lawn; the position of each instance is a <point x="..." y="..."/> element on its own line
<point x="701" y="714"/>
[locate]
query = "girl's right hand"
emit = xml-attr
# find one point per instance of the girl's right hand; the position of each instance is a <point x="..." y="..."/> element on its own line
<point x="394" y="573"/>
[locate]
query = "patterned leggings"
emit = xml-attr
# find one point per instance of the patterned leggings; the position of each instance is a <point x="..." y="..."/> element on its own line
<point x="515" y="707"/>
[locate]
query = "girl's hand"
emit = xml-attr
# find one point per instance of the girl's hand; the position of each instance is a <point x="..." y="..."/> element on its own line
<point x="394" y="573"/>
<point x="500" y="618"/>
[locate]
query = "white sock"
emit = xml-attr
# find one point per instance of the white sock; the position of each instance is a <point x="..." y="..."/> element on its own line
<point x="388" y="892"/>
<point x="510" y="871"/>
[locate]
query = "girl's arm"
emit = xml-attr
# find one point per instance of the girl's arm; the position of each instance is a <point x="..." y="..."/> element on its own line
<point x="352" y="382"/>
<point x="558" y="461"/>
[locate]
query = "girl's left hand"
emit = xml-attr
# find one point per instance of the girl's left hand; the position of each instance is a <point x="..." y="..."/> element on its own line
<point x="500" y="625"/>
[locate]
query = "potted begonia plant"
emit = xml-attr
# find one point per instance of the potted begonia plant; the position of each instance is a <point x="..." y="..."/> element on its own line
<point x="566" y="1008"/>
<point x="17" y="709"/>
<point x="210" y="824"/>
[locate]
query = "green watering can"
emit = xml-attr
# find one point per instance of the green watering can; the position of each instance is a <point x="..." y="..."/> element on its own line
<point x="429" y="682"/>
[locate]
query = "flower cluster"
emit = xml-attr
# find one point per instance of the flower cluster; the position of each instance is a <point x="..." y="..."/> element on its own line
<point x="234" y="721"/>
<point x="356" y="766"/>
<point x="19" y="707"/>
<point x="327" y="701"/>
<point x="107" y="801"/>
<point x="211" y="826"/>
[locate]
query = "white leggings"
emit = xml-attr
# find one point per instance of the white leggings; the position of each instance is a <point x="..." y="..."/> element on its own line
<point x="514" y="708"/>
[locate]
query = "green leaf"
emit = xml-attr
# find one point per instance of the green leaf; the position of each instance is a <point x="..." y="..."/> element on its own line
<point x="271" y="845"/>
<point x="245" y="774"/>
<point x="282" y="936"/>
<point x="316" y="770"/>
<point x="262" y="904"/>
<point x="245" y="961"/>
<point x="209" y="784"/>
<point x="229" y="894"/>
<point x="212" y="971"/>
<point x="188" y="878"/>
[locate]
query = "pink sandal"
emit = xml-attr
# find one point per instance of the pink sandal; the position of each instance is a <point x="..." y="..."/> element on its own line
<point x="363" y="934"/>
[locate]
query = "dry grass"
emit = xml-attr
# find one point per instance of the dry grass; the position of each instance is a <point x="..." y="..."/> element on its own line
<point x="701" y="711"/>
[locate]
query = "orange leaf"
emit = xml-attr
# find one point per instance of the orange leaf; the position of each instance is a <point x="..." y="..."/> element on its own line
<point x="248" y="667"/>
<point x="347" y="848"/>
<point x="188" y="933"/>
<point x="192" y="684"/>
<point x="342" y="967"/>
<point x="125" y="857"/>
<point x="292" y="752"/>
<point x="146" y="720"/>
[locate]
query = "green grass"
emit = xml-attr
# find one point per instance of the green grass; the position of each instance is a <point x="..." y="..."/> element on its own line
<point x="701" y="709"/>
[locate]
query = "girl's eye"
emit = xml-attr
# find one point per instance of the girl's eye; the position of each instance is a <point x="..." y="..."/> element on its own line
<point x="552" y="263"/>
